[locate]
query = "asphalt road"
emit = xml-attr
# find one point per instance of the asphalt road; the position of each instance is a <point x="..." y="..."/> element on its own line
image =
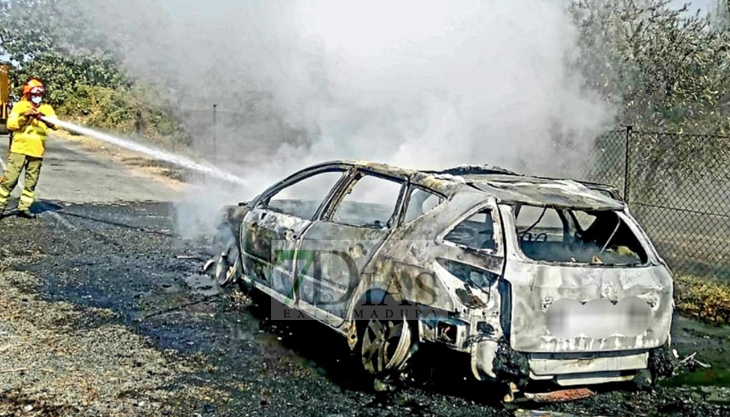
<point x="74" y="175"/>
<point x="104" y="311"/>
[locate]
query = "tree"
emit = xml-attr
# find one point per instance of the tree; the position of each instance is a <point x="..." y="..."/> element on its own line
<point x="52" y="40"/>
<point x="667" y="70"/>
<point x="56" y="41"/>
<point x="721" y="15"/>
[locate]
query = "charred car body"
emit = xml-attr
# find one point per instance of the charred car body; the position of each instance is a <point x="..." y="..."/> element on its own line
<point x="532" y="279"/>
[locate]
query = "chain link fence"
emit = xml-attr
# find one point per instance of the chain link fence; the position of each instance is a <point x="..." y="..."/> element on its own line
<point x="678" y="188"/>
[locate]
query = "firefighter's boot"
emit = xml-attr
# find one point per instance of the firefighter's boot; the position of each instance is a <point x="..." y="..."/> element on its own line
<point x="26" y="214"/>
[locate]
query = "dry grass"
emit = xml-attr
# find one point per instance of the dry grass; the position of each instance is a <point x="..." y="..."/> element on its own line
<point x="703" y="298"/>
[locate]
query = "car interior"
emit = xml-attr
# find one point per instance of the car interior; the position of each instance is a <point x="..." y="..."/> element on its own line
<point x="476" y="232"/>
<point x="577" y="236"/>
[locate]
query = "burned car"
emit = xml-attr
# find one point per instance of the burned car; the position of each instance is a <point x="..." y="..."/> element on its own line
<point x="530" y="278"/>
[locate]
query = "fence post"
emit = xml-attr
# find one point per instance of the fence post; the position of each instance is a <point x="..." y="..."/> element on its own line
<point x="627" y="164"/>
<point x="215" y="135"/>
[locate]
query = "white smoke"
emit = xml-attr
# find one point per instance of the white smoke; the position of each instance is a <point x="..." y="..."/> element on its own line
<point x="423" y="84"/>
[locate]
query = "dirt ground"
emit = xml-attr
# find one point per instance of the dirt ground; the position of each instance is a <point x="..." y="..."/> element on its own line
<point x="104" y="312"/>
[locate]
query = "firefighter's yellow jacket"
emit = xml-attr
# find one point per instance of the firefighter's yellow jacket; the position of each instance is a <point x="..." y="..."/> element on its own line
<point x="29" y="136"/>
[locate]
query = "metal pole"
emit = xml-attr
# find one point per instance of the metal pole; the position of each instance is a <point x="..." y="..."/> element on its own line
<point x="627" y="164"/>
<point x="215" y="135"/>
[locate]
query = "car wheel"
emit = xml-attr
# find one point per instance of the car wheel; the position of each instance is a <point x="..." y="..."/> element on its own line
<point x="385" y="346"/>
<point x="228" y="267"/>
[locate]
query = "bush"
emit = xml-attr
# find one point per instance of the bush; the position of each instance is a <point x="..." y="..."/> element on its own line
<point x="128" y="111"/>
<point x="702" y="298"/>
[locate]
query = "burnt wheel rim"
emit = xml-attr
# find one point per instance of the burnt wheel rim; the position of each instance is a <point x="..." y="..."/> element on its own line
<point x="225" y="270"/>
<point x="382" y="345"/>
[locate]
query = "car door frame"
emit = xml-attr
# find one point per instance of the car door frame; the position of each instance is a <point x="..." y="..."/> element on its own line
<point x="262" y="202"/>
<point x="328" y="211"/>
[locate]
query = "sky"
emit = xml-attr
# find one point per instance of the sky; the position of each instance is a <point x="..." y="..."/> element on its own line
<point x="694" y="5"/>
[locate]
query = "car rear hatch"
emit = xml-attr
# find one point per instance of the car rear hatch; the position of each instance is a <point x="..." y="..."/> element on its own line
<point x="584" y="309"/>
<point x="593" y="288"/>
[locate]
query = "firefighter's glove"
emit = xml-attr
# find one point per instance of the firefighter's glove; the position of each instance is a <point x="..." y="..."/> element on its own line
<point x="26" y="117"/>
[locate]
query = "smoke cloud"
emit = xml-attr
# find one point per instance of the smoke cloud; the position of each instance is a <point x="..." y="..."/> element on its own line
<point x="422" y="84"/>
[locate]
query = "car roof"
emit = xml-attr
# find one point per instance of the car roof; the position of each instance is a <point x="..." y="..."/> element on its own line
<point x="544" y="192"/>
<point x="506" y="186"/>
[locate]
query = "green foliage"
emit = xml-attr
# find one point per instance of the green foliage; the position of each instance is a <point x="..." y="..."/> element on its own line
<point x="668" y="70"/>
<point x="44" y="38"/>
<point x="52" y="39"/>
<point x="127" y="110"/>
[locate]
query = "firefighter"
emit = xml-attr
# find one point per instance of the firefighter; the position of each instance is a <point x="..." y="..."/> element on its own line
<point x="28" y="145"/>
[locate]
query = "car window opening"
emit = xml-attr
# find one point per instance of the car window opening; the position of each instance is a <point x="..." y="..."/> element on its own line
<point x="421" y="202"/>
<point x="303" y="198"/>
<point x="577" y="236"/>
<point x="370" y="203"/>
<point x="476" y="232"/>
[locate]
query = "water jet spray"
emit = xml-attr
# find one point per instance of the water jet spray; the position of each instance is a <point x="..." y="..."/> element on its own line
<point x="155" y="153"/>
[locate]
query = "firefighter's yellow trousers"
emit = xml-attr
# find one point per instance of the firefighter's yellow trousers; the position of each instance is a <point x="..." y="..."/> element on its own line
<point x="16" y="163"/>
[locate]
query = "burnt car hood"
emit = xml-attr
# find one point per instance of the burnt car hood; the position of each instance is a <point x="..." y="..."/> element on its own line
<point x="543" y="295"/>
